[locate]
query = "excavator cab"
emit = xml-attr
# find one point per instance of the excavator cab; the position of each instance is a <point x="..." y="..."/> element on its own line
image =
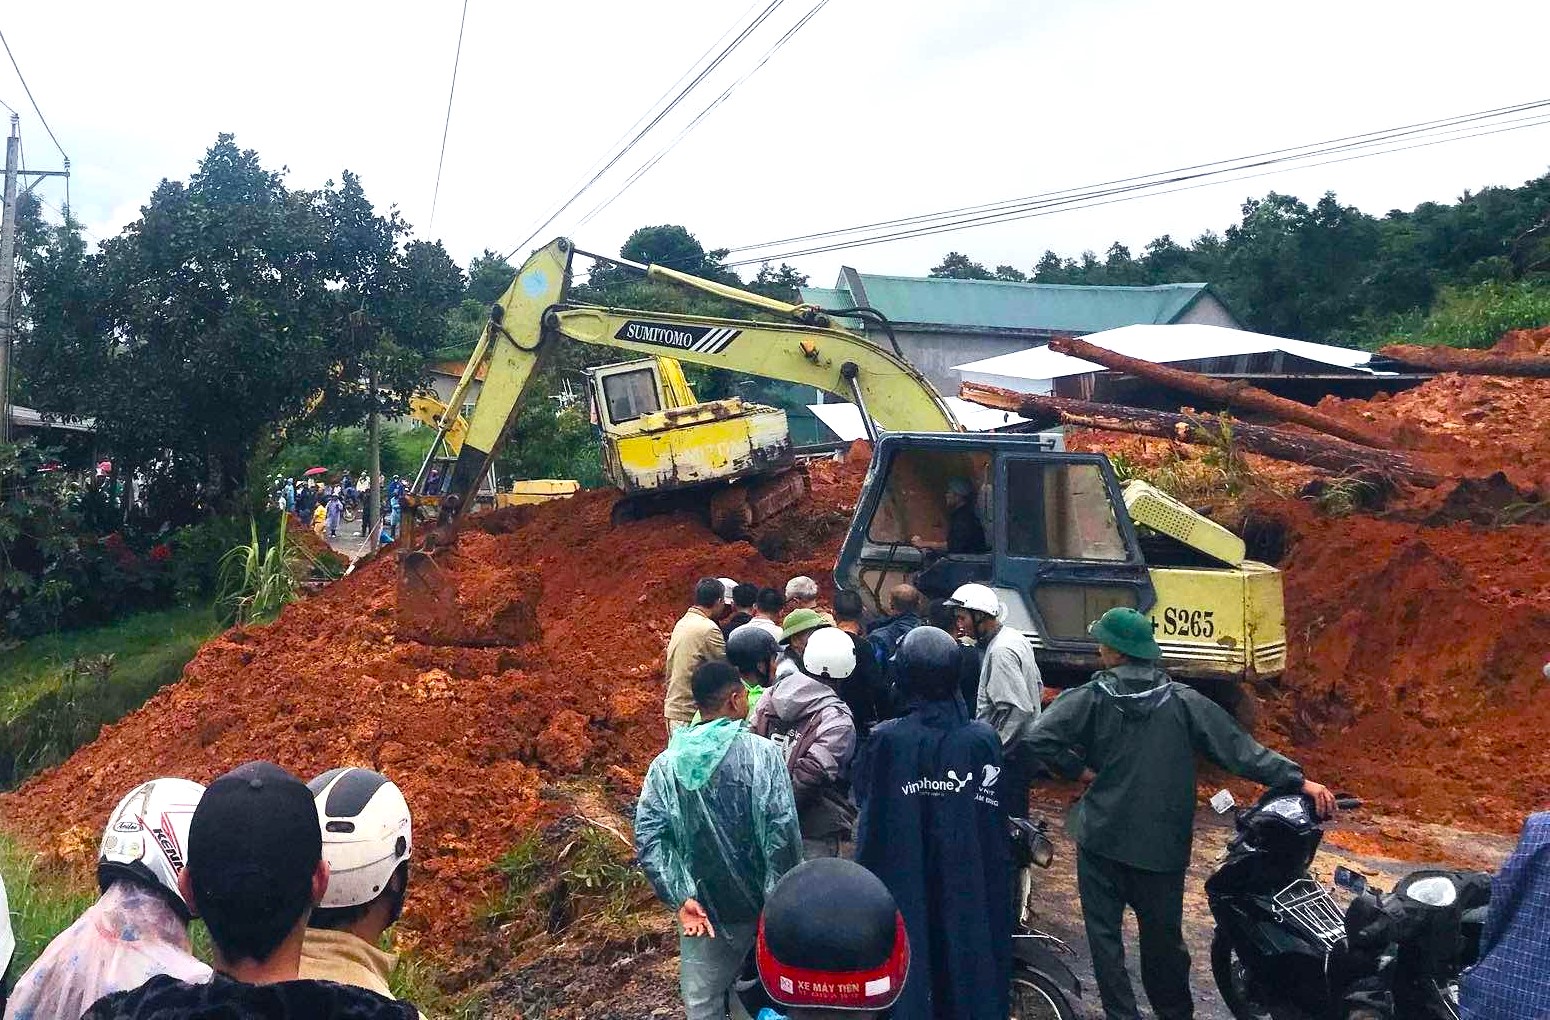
<point x="1054" y="535"/>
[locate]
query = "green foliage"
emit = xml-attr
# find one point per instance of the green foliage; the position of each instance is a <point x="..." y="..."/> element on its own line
<point x="955" y="266"/>
<point x="596" y="865"/>
<point x="228" y="308"/>
<point x="259" y="578"/>
<point x="1342" y="497"/>
<point x="57" y="691"/>
<point x="551" y="441"/>
<point x="347" y="450"/>
<point x="1477" y="316"/>
<point x="1328" y="271"/>
<point x="43" y="902"/>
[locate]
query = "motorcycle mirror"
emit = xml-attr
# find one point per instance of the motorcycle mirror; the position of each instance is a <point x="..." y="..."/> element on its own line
<point x="1350" y="881"/>
<point x="1223" y="802"/>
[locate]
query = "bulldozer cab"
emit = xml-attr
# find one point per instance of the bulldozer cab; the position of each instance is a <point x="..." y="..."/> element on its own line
<point x="1053" y="536"/>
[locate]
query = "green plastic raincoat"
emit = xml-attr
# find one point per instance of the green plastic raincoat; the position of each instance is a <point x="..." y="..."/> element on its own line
<point x="717" y="821"/>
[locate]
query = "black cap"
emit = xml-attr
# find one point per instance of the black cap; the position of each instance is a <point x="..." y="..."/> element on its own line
<point x="254" y="840"/>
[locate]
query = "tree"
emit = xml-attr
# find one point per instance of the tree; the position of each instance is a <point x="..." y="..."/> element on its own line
<point x="784" y="284"/>
<point x="955" y="266"/>
<point x="488" y="277"/>
<point x="1011" y="274"/>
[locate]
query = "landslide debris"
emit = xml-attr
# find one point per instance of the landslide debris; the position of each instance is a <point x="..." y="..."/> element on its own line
<point x="477" y="737"/>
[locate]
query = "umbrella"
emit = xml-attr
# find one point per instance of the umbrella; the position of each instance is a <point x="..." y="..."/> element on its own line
<point x="316" y="471"/>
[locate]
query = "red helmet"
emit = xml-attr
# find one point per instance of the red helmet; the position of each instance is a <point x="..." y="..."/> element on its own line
<point x="831" y="936"/>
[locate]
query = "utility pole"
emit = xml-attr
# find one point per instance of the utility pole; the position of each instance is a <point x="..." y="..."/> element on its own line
<point x="13" y="145"/>
<point x="13" y="148"/>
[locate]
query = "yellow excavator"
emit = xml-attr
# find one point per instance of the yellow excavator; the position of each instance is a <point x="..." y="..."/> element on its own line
<point x="1063" y="540"/>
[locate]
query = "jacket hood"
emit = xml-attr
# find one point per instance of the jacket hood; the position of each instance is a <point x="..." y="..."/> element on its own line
<point x="696" y="750"/>
<point x="1136" y="690"/>
<point x="798" y="694"/>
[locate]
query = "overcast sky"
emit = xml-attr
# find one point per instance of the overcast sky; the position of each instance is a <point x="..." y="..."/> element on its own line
<point x="877" y="109"/>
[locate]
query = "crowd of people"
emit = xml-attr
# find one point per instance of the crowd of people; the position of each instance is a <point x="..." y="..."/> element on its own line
<point x="324" y="505"/>
<point x="905" y="744"/>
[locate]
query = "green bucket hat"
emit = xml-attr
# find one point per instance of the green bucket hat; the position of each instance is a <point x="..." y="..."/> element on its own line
<point x="799" y="620"/>
<point x="1128" y="631"/>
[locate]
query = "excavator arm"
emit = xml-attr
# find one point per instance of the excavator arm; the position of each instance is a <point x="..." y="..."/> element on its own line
<point x="533" y="316"/>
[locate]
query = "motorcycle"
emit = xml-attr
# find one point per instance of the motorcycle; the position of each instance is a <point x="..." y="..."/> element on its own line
<point x="1043" y="985"/>
<point x="1284" y="950"/>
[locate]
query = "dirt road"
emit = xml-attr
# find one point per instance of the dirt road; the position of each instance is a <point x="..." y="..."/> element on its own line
<point x="1060" y="913"/>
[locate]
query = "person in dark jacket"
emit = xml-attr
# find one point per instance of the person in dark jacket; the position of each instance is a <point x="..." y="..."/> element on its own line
<point x="743" y="598"/>
<point x="933" y="828"/>
<point x="1134" y="733"/>
<point x="863" y="690"/>
<point x="970" y="656"/>
<point x="904" y="603"/>
<point x="255" y="870"/>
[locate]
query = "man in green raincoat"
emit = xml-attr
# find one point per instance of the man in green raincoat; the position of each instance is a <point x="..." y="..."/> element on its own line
<point x="1134" y="733"/>
<point x="715" y="829"/>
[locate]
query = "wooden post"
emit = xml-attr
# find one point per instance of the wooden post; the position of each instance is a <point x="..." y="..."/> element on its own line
<point x="1232" y="394"/>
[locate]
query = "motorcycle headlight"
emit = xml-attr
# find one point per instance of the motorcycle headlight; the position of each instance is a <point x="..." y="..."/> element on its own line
<point x="1434" y="891"/>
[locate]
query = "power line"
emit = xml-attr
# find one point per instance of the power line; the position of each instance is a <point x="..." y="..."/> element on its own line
<point x="1143" y="180"/>
<point x="645" y="168"/>
<point x="34" y="102"/>
<point x="1091" y="199"/>
<point x="446" y="126"/>
<point x="716" y="62"/>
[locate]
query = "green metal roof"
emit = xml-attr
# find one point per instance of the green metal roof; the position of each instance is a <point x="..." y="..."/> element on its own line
<point x="996" y="304"/>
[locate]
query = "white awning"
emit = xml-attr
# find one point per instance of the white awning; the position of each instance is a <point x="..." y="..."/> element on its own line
<point x="26" y="417"/>
<point x="1033" y="370"/>
<point x="844" y="420"/>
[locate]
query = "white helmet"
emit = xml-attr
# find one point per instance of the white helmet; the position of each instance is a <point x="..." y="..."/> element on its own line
<point x="830" y="654"/>
<point x="977" y="598"/>
<point x="727" y="584"/>
<point x="366" y="836"/>
<point x="147" y="836"/>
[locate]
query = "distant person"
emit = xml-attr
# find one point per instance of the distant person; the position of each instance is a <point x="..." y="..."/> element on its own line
<point x="367" y="843"/>
<point x="290" y="494"/>
<point x="305" y="502"/>
<point x="1011" y="689"/>
<point x="433" y="482"/>
<point x="139" y="927"/>
<point x="965" y="534"/>
<point x="744" y="598"/>
<point x="335" y="515"/>
<point x="832" y="944"/>
<point x="696" y="640"/>
<point x="808" y="720"/>
<point x="1509" y="982"/>
<point x="864" y="690"/>
<point x="255" y="871"/>
<point x="766" y="611"/>
<point x="1135" y="733"/>
<point x="715" y="829"/>
<point x="933" y="827"/>
<point x="801" y="593"/>
<point x="320" y="519"/>
<point x="943" y="617"/>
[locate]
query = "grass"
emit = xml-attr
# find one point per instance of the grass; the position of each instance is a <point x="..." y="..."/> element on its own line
<point x="56" y="691"/>
<point x="43" y="902"/>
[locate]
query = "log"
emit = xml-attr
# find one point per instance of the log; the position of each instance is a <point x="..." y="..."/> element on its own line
<point x="1315" y="451"/>
<point x="1234" y="393"/>
<point x="1453" y="359"/>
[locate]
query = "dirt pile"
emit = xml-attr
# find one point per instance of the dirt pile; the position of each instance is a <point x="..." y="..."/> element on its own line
<point x="478" y="738"/>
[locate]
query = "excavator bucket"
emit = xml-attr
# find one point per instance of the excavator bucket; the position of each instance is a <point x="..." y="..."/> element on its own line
<point x="449" y="596"/>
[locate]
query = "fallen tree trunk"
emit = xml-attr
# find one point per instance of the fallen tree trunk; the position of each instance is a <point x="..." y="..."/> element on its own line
<point x="1452" y="359"/>
<point x="1230" y="393"/>
<point x="1315" y="451"/>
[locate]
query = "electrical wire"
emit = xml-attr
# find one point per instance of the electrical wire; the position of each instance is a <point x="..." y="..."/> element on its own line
<point x="646" y="167"/>
<point x="457" y="58"/>
<point x="1145" y="180"/>
<point x="31" y="100"/>
<point x="1091" y="200"/>
<point x="716" y="62"/>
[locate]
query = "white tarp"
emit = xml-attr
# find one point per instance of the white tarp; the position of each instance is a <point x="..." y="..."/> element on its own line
<point x="1035" y="369"/>
<point x="844" y="420"/>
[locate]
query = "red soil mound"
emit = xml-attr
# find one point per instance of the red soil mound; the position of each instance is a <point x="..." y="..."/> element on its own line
<point x="475" y="736"/>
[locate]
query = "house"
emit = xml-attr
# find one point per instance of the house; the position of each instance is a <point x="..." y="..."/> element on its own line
<point x="940" y="323"/>
<point x="1296" y="369"/>
<point x="443" y="379"/>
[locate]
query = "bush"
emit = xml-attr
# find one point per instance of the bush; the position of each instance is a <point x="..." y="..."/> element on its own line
<point x="1476" y="316"/>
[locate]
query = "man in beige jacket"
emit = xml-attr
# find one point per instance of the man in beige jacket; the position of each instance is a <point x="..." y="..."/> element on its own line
<point x="367" y="842"/>
<point x="696" y="640"/>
